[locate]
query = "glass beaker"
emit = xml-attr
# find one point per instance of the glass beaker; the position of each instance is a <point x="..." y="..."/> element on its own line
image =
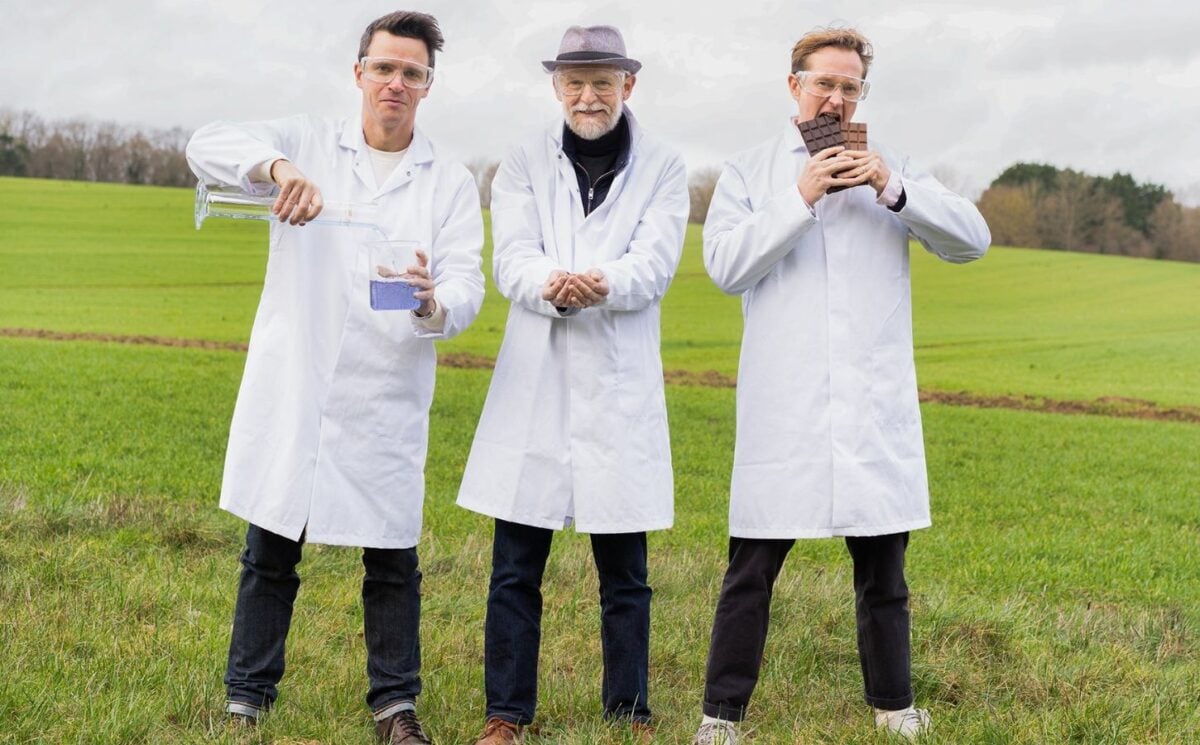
<point x="237" y="204"/>
<point x="389" y="260"/>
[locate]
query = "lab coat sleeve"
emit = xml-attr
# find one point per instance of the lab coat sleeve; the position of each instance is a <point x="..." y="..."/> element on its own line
<point x="455" y="258"/>
<point x="946" y="224"/>
<point x="641" y="276"/>
<point x="520" y="265"/>
<point x="226" y="153"/>
<point x="741" y="243"/>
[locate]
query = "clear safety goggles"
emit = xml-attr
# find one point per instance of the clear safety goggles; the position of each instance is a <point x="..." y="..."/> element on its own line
<point x="386" y="69"/>
<point x="825" y="84"/>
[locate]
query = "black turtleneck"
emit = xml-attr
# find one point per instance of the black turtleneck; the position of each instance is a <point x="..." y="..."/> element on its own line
<point x="597" y="162"/>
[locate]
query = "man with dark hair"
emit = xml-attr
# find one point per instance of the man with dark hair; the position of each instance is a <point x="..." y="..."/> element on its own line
<point x="828" y="427"/>
<point x="588" y="220"/>
<point x="330" y="431"/>
<point x="408" y="24"/>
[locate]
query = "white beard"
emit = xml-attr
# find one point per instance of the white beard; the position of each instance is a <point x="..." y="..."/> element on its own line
<point x="591" y="129"/>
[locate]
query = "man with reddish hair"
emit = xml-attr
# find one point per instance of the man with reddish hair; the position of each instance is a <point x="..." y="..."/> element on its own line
<point x="829" y="438"/>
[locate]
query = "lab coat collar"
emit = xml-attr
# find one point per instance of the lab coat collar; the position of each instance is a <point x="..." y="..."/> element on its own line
<point x="625" y="144"/>
<point x="420" y="151"/>
<point x="792" y="139"/>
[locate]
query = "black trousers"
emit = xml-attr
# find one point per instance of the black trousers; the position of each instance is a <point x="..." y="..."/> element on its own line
<point x="391" y="593"/>
<point x="744" y="608"/>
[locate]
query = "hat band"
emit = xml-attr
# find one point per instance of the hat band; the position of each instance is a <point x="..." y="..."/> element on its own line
<point x="588" y="56"/>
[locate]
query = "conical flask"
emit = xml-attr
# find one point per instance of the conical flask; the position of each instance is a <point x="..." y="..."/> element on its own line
<point x="237" y="204"/>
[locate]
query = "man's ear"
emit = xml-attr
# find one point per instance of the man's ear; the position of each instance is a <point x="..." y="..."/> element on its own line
<point x="627" y="90"/>
<point x="794" y="87"/>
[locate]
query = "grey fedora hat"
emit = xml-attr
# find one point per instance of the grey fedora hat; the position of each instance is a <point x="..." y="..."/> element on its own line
<point x="592" y="45"/>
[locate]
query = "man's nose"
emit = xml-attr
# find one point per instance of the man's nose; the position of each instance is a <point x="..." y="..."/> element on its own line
<point x="588" y="94"/>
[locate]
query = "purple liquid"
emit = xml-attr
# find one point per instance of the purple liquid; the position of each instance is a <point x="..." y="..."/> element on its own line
<point x="393" y="296"/>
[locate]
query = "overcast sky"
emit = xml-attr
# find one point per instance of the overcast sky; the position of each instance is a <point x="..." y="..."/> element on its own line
<point x="964" y="88"/>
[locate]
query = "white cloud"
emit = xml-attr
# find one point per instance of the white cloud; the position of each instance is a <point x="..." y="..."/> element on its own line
<point x="968" y="89"/>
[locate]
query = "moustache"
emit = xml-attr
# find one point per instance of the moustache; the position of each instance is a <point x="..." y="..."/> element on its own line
<point x="592" y="108"/>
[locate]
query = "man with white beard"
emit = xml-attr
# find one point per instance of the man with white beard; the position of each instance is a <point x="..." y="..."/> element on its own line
<point x="588" y="221"/>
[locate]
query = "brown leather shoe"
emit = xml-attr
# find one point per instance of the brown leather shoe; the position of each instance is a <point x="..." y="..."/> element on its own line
<point x="402" y="728"/>
<point x="499" y="731"/>
<point x="643" y="732"/>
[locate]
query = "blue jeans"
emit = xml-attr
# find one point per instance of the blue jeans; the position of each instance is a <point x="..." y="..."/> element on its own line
<point x="512" y="633"/>
<point x="391" y="593"/>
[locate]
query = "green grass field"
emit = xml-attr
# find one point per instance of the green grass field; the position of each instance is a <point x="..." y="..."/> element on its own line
<point x="1056" y="598"/>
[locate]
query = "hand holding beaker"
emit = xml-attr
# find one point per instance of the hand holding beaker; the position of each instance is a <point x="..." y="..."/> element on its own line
<point x="422" y="283"/>
<point x="299" y="199"/>
<point x="390" y="277"/>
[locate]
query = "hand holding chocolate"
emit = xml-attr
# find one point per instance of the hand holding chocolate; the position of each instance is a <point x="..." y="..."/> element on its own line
<point x="829" y="131"/>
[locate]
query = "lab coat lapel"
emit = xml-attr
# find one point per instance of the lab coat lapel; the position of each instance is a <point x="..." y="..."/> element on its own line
<point x="419" y="153"/>
<point x="568" y="210"/>
<point x="352" y="139"/>
<point x="789" y="159"/>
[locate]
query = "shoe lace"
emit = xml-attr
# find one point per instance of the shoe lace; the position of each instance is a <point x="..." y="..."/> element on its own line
<point x="910" y="721"/>
<point x="496" y="724"/>
<point x="715" y="733"/>
<point x="406" y="724"/>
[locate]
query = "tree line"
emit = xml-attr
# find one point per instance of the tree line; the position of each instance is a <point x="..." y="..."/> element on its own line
<point x="1029" y="204"/>
<point x="1041" y="206"/>
<point x="82" y="150"/>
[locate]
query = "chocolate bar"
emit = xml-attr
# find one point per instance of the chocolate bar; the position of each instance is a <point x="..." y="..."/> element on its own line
<point x="828" y="131"/>
<point x="855" y="134"/>
<point x="820" y="133"/>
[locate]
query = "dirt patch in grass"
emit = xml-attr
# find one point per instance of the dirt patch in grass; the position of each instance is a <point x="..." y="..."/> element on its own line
<point x="1116" y="406"/>
<point x="156" y="341"/>
<point x="700" y="378"/>
<point x="1127" y="408"/>
<point x="466" y="361"/>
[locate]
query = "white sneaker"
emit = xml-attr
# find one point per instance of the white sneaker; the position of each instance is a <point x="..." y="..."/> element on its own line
<point x="720" y="732"/>
<point x="909" y="723"/>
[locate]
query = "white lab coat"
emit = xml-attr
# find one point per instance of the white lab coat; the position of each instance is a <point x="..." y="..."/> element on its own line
<point x="329" y="432"/>
<point x="575" y="423"/>
<point x="829" y="435"/>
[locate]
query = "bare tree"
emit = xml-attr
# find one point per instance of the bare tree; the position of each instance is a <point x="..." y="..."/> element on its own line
<point x="93" y="151"/>
<point x="1112" y="235"/>
<point x="484" y="172"/>
<point x="1011" y="214"/>
<point x="1069" y="215"/>
<point x="701" y="186"/>
<point x="170" y="163"/>
<point x="107" y="153"/>
<point x="1188" y="248"/>
<point x="1175" y="231"/>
